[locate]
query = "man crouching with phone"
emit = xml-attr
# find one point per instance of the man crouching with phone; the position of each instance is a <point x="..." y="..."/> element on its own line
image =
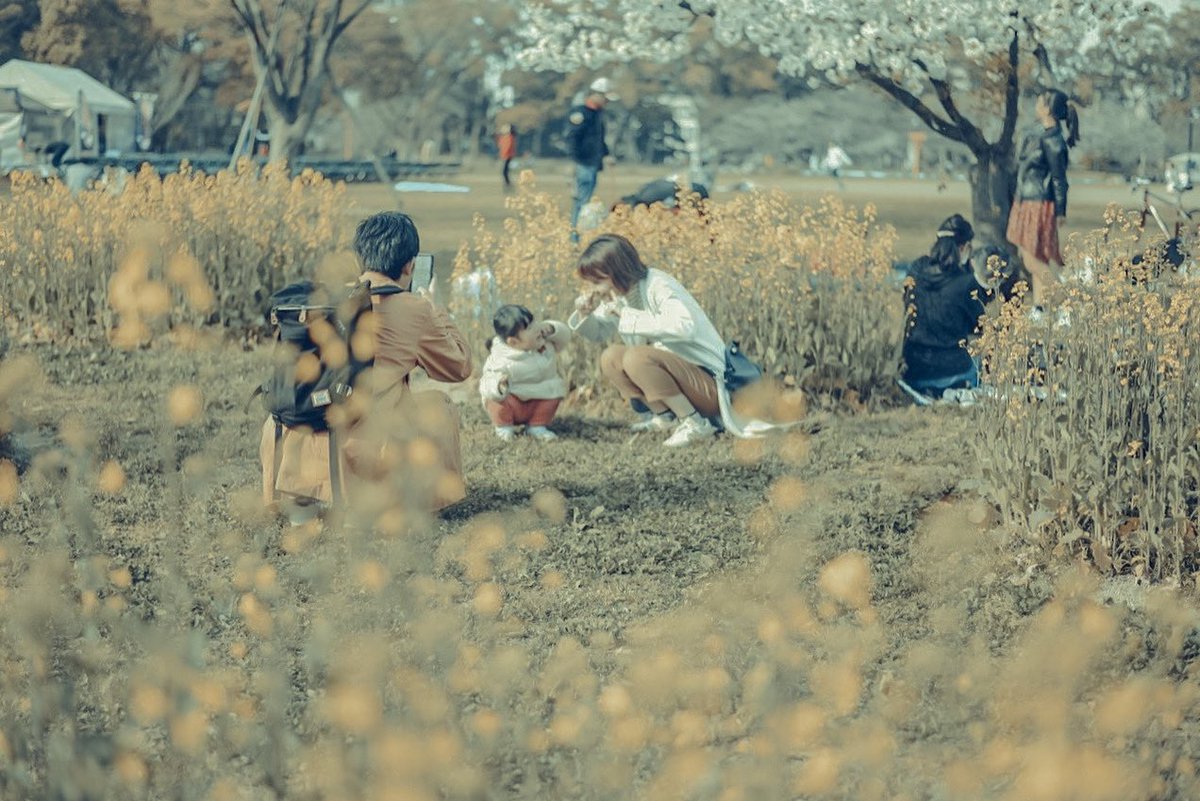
<point x="407" y="444"/>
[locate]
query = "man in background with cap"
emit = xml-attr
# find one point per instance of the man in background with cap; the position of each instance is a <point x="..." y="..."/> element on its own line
<point x="585" y="138"/>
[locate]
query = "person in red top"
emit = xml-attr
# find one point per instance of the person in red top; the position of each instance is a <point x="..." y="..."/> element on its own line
<point x="506" y="144"/>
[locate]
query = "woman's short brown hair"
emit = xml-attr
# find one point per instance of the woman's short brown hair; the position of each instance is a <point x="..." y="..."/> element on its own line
<point x="614" y="257"/>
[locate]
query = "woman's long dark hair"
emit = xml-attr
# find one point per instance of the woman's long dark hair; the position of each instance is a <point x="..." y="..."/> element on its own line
<point x="1063" y="110"/>
<point x="614" y="257"/>
<point x="953" y="233"/>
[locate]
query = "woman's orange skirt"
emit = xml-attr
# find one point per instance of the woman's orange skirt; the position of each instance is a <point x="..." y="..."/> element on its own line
<point x="1033" y="228"/>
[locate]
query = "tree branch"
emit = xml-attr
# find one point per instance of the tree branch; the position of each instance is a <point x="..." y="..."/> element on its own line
<point x="349" y="18"/>
<point x="1012" y="95"/>
<point x="686" y="6"/>
<point x="250" y="24"/>
<point x="255" y="21"/>
<point x="971" y="135"/>
<point x="1040" y="53"/>
<point x="329" y="25"/>
<point x="252" y="13"/>
<point x="301" y="66"/>
<point x="911" y="102"/>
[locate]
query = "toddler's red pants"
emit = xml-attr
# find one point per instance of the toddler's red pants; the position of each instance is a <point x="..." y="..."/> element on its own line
<point x="514" y="411"/>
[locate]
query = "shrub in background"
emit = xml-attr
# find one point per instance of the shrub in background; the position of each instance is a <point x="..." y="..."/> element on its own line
<point x="223" y="242"/>
<point x="807" y="291"/>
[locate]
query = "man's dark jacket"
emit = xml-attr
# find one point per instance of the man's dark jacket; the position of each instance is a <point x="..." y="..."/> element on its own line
<point x="585" y="136"/>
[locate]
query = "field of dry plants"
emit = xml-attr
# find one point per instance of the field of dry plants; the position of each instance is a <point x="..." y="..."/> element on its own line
<point x="884" y="603"/>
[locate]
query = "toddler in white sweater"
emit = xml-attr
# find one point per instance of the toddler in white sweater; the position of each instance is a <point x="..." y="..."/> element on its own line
<point x="520" y="384"/>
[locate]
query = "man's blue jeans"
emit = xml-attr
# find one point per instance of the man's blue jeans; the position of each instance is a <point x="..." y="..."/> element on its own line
<point x="585" y="187"/>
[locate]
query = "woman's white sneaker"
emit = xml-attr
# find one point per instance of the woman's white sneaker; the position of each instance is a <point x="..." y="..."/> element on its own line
<point x="653" y="422"/>
<point x="541" y="433"/>
<point x="693" y="428"/>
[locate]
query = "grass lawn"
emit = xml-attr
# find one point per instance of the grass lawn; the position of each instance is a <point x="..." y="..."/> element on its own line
<point x="914" y="207"/>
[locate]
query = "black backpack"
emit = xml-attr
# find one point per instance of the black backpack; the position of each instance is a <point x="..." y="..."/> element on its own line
<point x="296" y="310"/>
<point x="313" y="374"/>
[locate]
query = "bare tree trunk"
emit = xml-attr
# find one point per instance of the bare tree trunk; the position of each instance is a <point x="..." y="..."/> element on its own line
<point x="286" y="137"/>
<point x="479" y="130"/>
<point x="993" y="183"/>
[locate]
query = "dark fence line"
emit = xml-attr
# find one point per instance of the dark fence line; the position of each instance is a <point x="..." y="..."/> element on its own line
<point x="336" y="169"/>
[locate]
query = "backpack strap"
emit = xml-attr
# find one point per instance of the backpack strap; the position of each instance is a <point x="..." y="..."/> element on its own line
<point x="335" y="469"/>
<point x="259" y="391"/>
<point x="277" y="459"/>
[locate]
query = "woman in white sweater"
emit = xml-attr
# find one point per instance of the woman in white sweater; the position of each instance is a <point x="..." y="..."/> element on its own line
<point x="520" y="384"/>
<point x="670" y="354"/>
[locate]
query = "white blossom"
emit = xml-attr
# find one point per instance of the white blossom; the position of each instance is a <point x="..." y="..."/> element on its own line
<point x="921" y="52"/>
<point x="905" y="39"/>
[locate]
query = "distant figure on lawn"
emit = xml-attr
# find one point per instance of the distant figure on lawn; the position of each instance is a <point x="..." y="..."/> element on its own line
<point x="944" y="297"/>
<point x="585" y="138"/>
<point x="671" y="360"/>
<point x="835" y="159"/>
<point x="506" y="148"/>
<point x="664" y="191"/>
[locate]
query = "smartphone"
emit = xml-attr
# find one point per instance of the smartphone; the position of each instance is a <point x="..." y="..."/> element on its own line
<point x="422" y="271"/>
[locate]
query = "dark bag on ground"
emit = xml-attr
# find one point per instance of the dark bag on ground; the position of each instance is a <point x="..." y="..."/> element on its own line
<point x="308" y="377"/>
<point x="739" y="370"/>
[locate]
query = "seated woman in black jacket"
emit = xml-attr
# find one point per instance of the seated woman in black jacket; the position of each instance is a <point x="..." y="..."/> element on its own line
<point x="943" y="302"/>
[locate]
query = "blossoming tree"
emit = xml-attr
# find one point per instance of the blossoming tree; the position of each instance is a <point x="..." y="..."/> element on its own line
<point x="961" y="67"/>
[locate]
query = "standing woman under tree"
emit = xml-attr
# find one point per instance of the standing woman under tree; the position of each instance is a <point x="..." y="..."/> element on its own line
<point x="1041" y="205"/>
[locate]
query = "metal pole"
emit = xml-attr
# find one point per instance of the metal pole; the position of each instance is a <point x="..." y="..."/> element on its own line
<point x="251" y="119"/>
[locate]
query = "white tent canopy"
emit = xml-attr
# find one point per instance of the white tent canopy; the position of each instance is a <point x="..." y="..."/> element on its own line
<point x="59" y="88"/>
<point x="49" y="104"/>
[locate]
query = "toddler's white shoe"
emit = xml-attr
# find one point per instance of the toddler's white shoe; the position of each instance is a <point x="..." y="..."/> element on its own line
<point x="506" y="433"/>
<point x="653" y="422"/>
<point x="693" y="428"/>
<point x="541" y="433"/>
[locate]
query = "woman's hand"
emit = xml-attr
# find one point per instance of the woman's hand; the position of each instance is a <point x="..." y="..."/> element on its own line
<point x="428" y="292"/>
<point x="546" y="331"/>
<point x="588" y="302"/>
<point x="502" y="386"/>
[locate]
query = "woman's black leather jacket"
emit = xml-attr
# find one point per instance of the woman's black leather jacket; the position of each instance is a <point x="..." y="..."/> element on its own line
<point x="1043" y="169"/>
